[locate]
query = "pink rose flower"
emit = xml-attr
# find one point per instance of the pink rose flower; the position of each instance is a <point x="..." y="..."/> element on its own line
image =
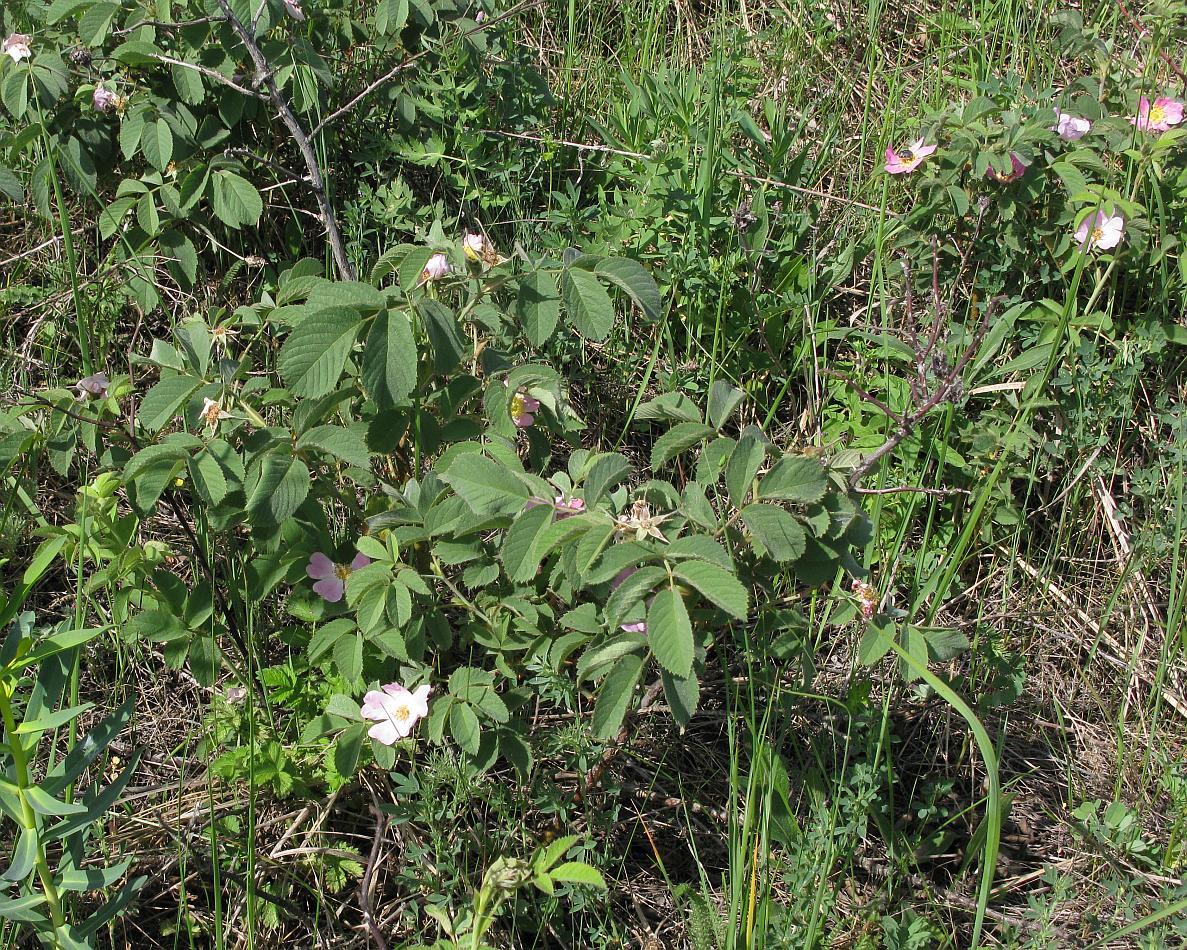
<point x="568" y="506"/>
<point x="331" y="577"/>
<point x="1100" y="232"/>
<point x="104" y="100"/>
<point x="436" y="268"/>
<point x="523" y="409"/>
<point x="1158" y="117"/>
<point x="638" y="627"/>
<point x="395" y="711"/>
<point x="1070" y="127"/>
<point x="94" y="386"/>
<point x="897" y="164"/>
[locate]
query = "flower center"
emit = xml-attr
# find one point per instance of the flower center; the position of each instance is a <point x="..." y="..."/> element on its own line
<point x="1097" y="234"/>
<point x="342" y="571"/>
<point x="401" y="713"/>
<point x="517" y="405"/>
<point x="1157" y="114"/>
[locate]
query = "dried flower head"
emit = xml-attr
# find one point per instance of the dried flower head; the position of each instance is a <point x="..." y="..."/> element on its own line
<point x="867" y="597"/>
<point x="641" y="522"/>
<point x="212" y="412"/>
<point x="17" y="46"/>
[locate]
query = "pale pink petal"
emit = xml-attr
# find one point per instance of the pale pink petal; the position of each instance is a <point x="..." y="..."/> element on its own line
<point x="331" y="588"/>
<point x="395" y="689"/>
<point x="360" y="561"/>
<point x="419" y="702"/>
<point x="372" y="707"/>
<point x="386" y="732"/>
<point x="320" y="567"/>
<point x="524" y="420"/>
<point x="1172" y="111"/>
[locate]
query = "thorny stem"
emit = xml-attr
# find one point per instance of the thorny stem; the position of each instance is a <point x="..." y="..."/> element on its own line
<point x="317" y="185"/>
<point x="20" y="762"/>
<point x="941" y="393"/>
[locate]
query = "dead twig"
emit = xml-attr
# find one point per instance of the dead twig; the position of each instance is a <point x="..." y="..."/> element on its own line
<point x="317" y="185"/>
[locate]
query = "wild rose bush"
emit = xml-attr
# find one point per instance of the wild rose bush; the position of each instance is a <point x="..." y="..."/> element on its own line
<point x="1026" y="175"/>
<point x="387" y="464"/>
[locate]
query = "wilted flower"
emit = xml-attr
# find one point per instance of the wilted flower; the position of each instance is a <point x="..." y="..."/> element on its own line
<point x="866" y="596"/>
<point x="437" y="267"/>
<point x="901" y="164"/>
<point x="331" y="577"/>
<point x="641" y="522"/>
<point x="1070" y="127"/>
<point x="104" y="100"/>
<point x="221" y="336"/>
<point x="523" y="409"/>
<point x="235" y="694"/>
<point x="212" y="412"/>
<point x="1100" y="232"/>
<point x="17" y="46"/>
<point x="93" y="386"/>
<point x="637" y="627"/>
<point x="480" y="249"/>
<point x="395" y="711"/>
<point x="1017" y="170"/>
<point x="1157" y="117"/>
<point x="293" y="9"/>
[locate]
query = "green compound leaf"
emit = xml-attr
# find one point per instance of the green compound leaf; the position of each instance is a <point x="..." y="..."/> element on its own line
<point x="486" y="486"/>
<point x="538" y="306"/>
